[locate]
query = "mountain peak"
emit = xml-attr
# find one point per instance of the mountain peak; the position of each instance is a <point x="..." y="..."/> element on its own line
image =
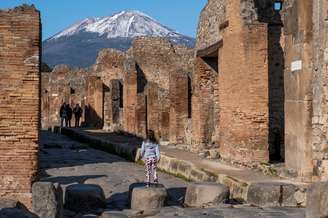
<point x="79" y="44"/>
<point x="129" y="24"/>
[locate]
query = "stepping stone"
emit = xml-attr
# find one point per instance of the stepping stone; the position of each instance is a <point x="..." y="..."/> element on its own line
<point x="84" y="198"/>
<point x="317" y="200"/>
<point x="7" y="203"/>
<point x="148" y="199"/>
<point x="16" y="213"/>
<point x="47" y="199"/>
<point x="113" y="214"/>
<point x="205" y="194"/>
<point x="90" y="216"/>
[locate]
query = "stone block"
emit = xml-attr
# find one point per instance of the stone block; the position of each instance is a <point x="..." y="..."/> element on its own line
<point x="317" y="200"/>
<point x="275" y="194"/>
<point x="47" y="199"/>
<point x="264" y="194"/>
<point x="205" y="194"/>
<point x="84" y="198"/>
<point x="113" y="214"/>
<point x="149" y="199"/>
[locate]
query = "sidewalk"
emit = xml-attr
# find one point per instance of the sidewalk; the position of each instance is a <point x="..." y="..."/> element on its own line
<point x="194" y="168"/>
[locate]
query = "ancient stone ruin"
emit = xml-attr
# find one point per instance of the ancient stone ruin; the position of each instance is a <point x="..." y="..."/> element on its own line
<point x="239" y="92"/>
<point x="253" y="90"/>
<point x="20" y="101"/>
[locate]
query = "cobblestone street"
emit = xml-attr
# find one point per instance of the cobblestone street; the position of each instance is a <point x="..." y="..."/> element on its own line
<point x="69" y="162"/>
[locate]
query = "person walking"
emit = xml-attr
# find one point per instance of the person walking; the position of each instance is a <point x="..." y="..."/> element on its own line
<point x="63" y="114"/>
<point x="151" y="155"/>
<point x="69" y="113"/>
<point x="77" y="114"/>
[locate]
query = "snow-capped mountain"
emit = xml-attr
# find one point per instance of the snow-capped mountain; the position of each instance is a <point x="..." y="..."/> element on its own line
<point x="79" y="44"/>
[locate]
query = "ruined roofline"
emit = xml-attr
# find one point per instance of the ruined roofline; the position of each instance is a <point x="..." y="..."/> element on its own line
<point x="150" y="38"/>
<point x="61" y="68"/>
<point x="20" y="8"/>
<point x="110" y="50"/>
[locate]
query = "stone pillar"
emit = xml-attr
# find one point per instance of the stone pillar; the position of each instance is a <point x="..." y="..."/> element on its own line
<point x="203" y="117"/>
<point x="94" y="102"/>
<point x="179" y="106"/>
<point x="298" y="88"/>
<point x="130" y="102"/>
<point x="141" y="115"/>
<point x="153" y="109"/>
<point x="116" y="88"/>
<point x="243" y="88"/>
<point x="20" y="101"/>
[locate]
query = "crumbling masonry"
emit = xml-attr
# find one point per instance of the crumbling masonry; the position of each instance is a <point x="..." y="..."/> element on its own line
<point x="20" y="101"/>
<point x="252" y="90"/>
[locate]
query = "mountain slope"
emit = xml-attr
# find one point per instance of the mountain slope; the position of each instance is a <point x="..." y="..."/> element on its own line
<point x="79" y="44"/>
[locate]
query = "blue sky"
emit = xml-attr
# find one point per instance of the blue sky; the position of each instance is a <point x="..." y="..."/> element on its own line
<point x="181" y="15"/>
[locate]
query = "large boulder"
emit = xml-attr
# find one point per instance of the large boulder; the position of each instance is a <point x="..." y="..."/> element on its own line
<point x="205" y="194"/>
<point x="47" y="199"/>
<point x="317" y="200"/>
<point x="147" y="199"/>
<point x="84" y="198"/>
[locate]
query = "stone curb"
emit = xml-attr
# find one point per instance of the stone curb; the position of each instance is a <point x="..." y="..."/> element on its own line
<point x="179" y="168"/>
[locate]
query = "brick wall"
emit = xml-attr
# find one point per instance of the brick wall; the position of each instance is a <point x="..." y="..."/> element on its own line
<point x="109" y="66"/>
<point x="204" y="82"/>
<point x="243" y="89"/>
<point x="73" y="87"/>
<point x="20" y="101"/>
<point x="94" y="102"/>
<point x="130" y="99"/>
<point x="178" y="107"/>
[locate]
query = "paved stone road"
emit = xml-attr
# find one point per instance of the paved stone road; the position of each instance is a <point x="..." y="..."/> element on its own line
<point x="67" y="162"/>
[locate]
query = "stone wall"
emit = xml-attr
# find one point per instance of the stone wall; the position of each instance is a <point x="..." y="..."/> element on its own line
<point x="109" y="66"/>
<point x="298" y="87"/>
<point x="137" y="94"/>
<point x="238" y="94"/>
<point x="319" y="84"/>
<point x="154" y="60"/>
<point x="211" y="17"/>
<point x="243" y="88"/>
<point x="73" y="87"/>
<point x="20" y="101"/>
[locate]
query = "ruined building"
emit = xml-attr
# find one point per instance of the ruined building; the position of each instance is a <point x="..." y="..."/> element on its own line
<point x="253" y="89"/>
<point x="73" y="87"/>
<point x="259" y="84"/>
<point x="238" y="79"/>
<point x="129" y="92"/>
<point x="20" y="109"/>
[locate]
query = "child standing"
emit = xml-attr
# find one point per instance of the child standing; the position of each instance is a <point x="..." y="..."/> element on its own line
<point x="151" y="155"/>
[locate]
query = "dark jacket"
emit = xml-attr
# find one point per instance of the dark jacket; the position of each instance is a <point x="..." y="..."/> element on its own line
<point x="62" y="111"/>
<point x="69" y="112"/>
<point x="78" y="111"/>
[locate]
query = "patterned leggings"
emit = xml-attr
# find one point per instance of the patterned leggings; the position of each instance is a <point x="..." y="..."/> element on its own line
<point x="151" y="168"/>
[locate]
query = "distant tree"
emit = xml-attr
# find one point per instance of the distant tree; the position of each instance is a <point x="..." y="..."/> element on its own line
<point x="45" y="67"/>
